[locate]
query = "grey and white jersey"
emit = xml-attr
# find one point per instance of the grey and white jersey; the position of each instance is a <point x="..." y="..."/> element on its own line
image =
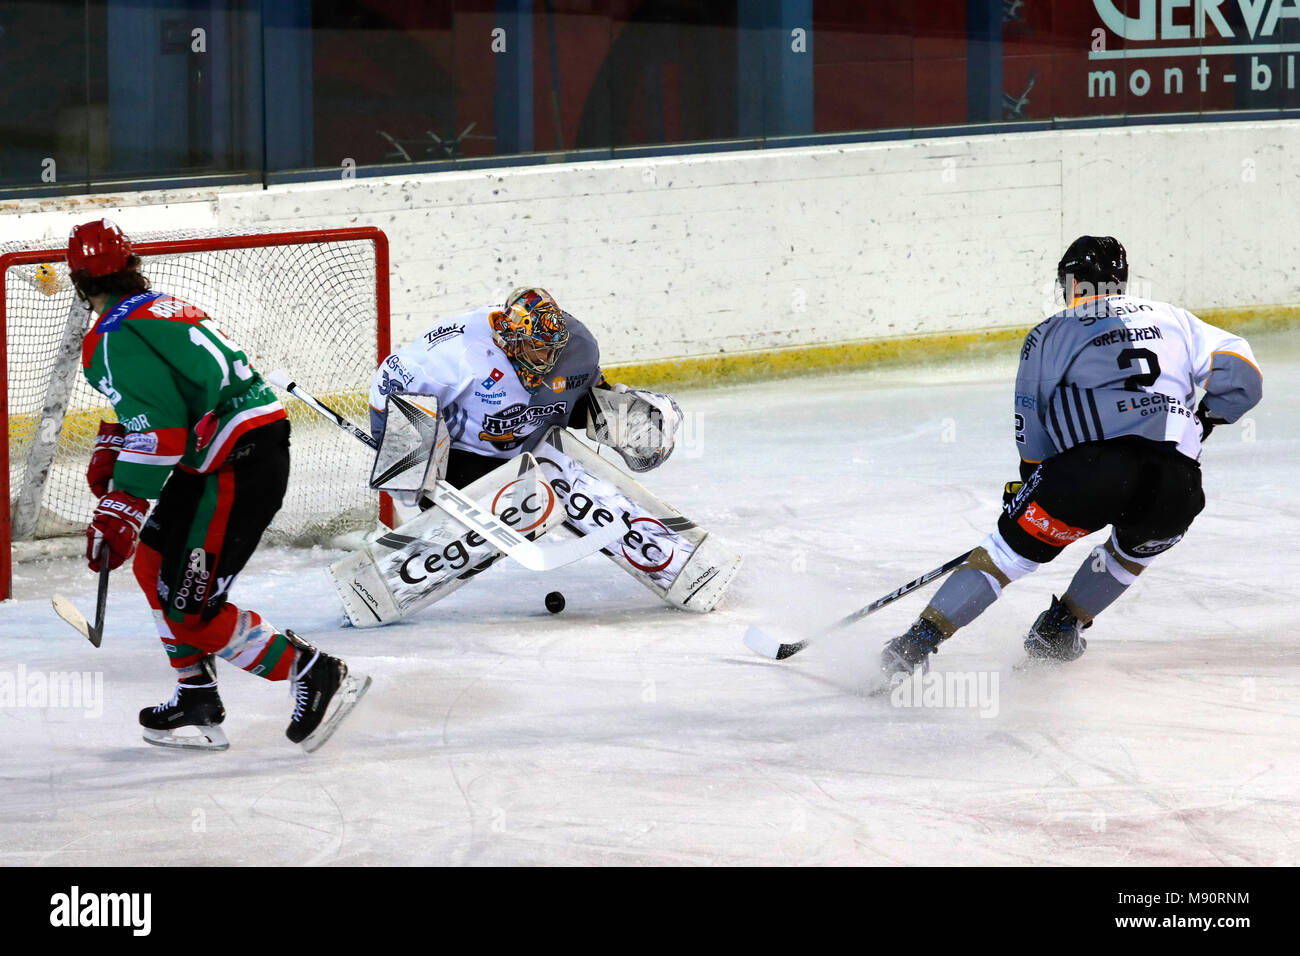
<point x="1119" y="365"/>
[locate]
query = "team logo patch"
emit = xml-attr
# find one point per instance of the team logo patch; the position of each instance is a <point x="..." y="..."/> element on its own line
<point x="505" y="427"/>
<point x="496" y="376"/>
<point x="1047" y="529"/>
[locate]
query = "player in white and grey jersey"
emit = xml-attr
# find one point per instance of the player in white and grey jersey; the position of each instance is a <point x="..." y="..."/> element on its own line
<point x="1113" y="365"/>
<point x="1109" y="434"/>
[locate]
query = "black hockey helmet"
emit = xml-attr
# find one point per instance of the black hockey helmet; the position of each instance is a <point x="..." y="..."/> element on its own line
<point x="1097" y="262"/>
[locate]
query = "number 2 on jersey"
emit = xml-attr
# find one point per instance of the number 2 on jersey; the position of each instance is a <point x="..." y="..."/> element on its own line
<point x="1144" y="380"/>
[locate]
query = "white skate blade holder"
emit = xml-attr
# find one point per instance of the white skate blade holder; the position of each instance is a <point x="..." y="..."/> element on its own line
<point x="210" y="738"/>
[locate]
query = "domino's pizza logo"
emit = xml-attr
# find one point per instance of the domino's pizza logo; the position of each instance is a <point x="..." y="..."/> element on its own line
<point x="496" y="376"/>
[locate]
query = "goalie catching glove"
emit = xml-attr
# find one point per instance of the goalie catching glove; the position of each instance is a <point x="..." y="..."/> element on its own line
<point x="639" y="424"/>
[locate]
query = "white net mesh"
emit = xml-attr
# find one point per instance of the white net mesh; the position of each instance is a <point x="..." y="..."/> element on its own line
<point x="307" y="307"/>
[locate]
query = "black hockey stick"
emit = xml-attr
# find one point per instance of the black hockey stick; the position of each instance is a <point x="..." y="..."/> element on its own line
<point x="68" y="611"/>
<point x="761" y="643"/>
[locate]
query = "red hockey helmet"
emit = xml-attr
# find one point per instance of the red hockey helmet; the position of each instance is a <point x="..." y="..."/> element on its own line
<point x="97" y="249"/>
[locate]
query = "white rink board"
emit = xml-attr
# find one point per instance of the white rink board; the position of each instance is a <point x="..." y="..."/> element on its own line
<point x="696" y="255"/>
<point x="621" y="731"/>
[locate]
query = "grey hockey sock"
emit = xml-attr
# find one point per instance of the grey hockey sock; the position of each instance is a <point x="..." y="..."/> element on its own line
<point x="1100" y="580"/>
<point x="963" y="597"/>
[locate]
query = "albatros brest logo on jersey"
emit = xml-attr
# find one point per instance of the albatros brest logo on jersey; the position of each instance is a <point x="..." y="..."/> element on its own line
<point x="504" y="428"/>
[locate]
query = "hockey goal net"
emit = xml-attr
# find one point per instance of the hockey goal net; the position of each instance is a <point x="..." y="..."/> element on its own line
<point x="314" y="303"/>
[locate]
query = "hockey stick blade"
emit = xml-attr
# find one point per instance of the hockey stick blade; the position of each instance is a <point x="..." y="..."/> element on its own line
<point x="68" y="611"/>
<point x="534" y="557"/>
<point x="761" y="643"/>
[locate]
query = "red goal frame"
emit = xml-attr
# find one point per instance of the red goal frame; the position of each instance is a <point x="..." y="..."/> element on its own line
<point x="200" y="244"/>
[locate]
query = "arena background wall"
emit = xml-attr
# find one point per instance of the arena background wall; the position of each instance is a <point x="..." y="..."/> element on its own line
<point x="740" y="263"/>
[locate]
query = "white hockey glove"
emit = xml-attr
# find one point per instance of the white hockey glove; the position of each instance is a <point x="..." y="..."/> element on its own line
<point x="640" y="425"/>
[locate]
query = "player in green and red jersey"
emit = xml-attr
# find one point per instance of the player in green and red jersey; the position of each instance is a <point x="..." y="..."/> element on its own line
<point x="198" y="431"/>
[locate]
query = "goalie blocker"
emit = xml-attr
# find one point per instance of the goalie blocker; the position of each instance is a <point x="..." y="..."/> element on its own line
<point x="430" y="556"/>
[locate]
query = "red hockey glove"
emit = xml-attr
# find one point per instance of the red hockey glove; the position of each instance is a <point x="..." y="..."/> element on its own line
<point x="108" y="444"/>
<point x="117" y="522"/>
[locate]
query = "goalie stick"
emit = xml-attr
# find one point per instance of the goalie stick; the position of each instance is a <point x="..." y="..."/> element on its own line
<point x="466" y="511"/>
<point x="68" y="611"/>
<point x="756" y="640"/>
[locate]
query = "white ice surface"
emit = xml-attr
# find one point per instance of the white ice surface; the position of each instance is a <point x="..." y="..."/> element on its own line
<point x="621" y="731"/>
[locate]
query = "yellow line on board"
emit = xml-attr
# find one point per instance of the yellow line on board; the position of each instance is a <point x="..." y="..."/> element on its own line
<point x="756" y="364"/>
<point x="81" y="424"/>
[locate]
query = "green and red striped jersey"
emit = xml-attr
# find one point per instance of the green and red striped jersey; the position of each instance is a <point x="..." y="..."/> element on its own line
<point x="183" y="390"/>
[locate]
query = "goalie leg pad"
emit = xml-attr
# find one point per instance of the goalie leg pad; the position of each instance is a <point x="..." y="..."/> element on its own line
<point x="662" y="549"/>
<point x="705" y="577"/>
<point x="428" y="557"/>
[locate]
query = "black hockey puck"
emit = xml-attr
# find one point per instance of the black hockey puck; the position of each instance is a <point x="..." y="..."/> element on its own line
<point x="555" y="602"/>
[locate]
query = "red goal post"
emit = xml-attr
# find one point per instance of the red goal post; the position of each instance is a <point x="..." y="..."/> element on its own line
<point x="315" y="302"/>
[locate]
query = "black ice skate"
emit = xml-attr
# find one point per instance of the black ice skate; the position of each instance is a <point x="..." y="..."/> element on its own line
<point x="904" y="653"/>
<point x="323" y="692"/>
<point x="1056" y="635"/>
<point x="195" y="708"/>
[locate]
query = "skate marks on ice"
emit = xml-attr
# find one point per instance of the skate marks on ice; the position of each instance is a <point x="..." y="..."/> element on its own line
<point x="620" y="732"/>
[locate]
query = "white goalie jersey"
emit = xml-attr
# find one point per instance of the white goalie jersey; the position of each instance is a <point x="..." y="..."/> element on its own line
<point x="486" y="408"/>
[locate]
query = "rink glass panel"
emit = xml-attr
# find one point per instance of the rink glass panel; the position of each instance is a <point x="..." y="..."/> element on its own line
<point x="103" y="96"/>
